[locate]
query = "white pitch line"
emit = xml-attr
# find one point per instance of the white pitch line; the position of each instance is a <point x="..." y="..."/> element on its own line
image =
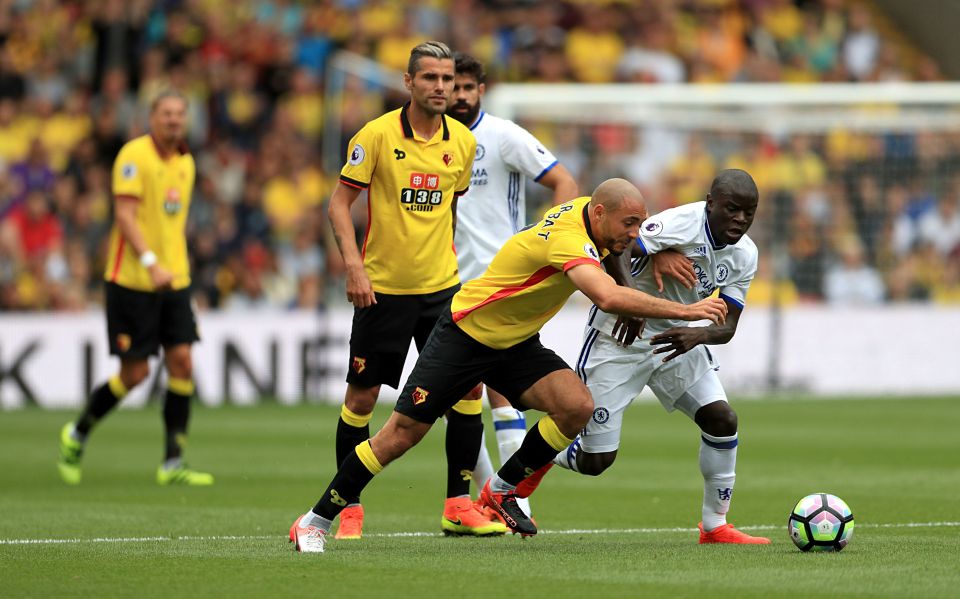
<point x="572" y="531"/>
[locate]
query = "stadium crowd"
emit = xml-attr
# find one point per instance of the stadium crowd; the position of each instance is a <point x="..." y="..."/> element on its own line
<point x="871" y="218"/>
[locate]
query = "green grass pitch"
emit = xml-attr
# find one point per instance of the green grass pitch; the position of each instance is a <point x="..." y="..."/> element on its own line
<point x="628" y="533"/>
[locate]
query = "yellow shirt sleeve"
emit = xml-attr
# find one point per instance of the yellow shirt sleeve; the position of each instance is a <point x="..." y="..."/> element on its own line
<point x="362" y="158"/>
<point x="463" y="183"/>
<point x="128" y="173"/>
<point x="568" y="250"/>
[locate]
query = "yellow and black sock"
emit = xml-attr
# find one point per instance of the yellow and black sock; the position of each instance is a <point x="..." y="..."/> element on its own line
<point x="103" y="399"/>
<point x="352" y="429"/>
<point x="176" y="414"/>
<point x="355" y="473"/>
<point x="540" y="446"/>
<point x="464" y="434"/>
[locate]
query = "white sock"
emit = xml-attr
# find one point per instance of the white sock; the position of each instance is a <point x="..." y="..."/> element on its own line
<point x="718" y="464"/>
<point x="568" y="457"/>
<point x="498" y="485"/>
<point x="511" y="428"/>
<point x="484" y="468"/>
<point x="311" y="519"/>
<point x="173" y="463"/>
<point x="75" y="434"/>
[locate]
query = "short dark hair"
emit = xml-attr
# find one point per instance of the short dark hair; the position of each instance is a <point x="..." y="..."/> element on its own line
<point x="168" y="93"/>
<point x="734" y="182"/>
<point x="468" y="65"/>
<point x="429" y="49"/>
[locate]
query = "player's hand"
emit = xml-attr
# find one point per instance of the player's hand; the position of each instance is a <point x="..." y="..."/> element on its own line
<point x="713" y="309"/>
<point x="674" y="264"/>
<point x="160" y="277"/>
<point x="627" y="329"/>
<point x="678" y="340"/>
<point x="359" y="289"/>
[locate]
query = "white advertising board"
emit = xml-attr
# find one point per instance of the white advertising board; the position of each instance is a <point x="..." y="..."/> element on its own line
<point x="52" y="359"/>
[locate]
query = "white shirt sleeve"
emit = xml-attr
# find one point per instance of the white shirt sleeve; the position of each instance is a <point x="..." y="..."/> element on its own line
<point x="735" y="287"/>
<point x="522" y="152"/>
<point x="671" y="228"/>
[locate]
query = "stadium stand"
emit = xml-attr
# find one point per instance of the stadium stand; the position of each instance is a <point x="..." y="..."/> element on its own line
<point x="874" y="218"/>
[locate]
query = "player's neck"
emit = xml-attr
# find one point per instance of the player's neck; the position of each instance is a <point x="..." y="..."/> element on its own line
<point x="167" y="146"/>
<point x="425" y="125"/>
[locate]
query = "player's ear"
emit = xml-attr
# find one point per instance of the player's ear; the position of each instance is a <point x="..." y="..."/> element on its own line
<point x="482" y="88"/>
<point x="408" y="81"/>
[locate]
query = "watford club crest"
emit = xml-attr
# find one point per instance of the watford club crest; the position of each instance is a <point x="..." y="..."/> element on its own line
<point x="123" y="341"/>
<point x="359" y="364"/>
<point x="420" y="395"/>
<point x="447" y="158"/>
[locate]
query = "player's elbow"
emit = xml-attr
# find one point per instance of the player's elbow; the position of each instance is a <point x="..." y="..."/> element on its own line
<point x="607" y="300"/>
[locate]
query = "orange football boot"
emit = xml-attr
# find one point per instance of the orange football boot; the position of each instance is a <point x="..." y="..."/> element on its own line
<point x="728" y="534"/>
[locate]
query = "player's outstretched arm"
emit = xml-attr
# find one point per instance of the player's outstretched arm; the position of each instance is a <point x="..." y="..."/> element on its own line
<point x="359" y="289"/>
<point x="627" y="328"/>
<point x="562" y="183"/>
<point x="680" y="340"/>
<point x="610" y="297"/>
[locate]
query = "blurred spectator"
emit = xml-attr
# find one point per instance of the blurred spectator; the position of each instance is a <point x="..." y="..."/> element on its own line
<point x="76" y="78"/>
<point x="862" y="44"/>
<point x="594" y="48"/>
<point x="940" y="227"/>
<point x="648" y="58"/>
<point x="850" y="281"/>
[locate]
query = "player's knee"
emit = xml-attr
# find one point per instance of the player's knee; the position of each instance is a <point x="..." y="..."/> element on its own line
<point x="134" y="373"/>
<point x="718" y="419"/>
<point x="475" y="393"/>
<point x="180" y="366"/>
<point x="361" y="400"/>
<point x="397" y="436"/>
<point x="573" y="415"/>
<point x="593" y="464"/>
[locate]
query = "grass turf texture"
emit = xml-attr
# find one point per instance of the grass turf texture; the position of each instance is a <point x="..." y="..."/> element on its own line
<point x="893" y="461"/>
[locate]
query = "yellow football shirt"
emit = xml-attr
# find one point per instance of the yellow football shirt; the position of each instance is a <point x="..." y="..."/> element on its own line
<point x="524" y="286"/>
<point x="412" y="185"/>
<point x="162" y="185"/>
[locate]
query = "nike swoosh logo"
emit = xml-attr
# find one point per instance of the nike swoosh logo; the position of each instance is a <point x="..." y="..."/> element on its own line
<point x="456" y="522"/>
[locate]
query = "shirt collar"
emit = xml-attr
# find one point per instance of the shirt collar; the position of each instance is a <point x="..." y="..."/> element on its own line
<point x="182" y="147"/>
<point x="477" y="122"/>
<point x="408" y="128"/>
<point x="586" y="225"/>
<point x="706" y="227"/>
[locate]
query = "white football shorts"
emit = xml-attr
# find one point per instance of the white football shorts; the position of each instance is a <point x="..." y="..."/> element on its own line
<point x="616" y="375"/>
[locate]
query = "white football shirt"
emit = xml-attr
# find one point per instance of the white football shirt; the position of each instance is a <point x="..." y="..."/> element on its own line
<point x="686" y="230"/>
<point x="493" y="209"/>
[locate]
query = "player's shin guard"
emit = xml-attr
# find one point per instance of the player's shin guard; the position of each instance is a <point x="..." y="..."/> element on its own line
<point x="541" y="445"/>
<point x="568" y="457"/>
<point x="176" y="415"/>
<point x="356" y="471"/>
<point x="102" y="400"/>
<point x="352" y="429"/>
<point x="464" y="434"/>
<point x="718" y="461"/>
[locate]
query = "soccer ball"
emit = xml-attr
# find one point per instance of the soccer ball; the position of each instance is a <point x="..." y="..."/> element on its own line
<point x="821" y="522"/>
